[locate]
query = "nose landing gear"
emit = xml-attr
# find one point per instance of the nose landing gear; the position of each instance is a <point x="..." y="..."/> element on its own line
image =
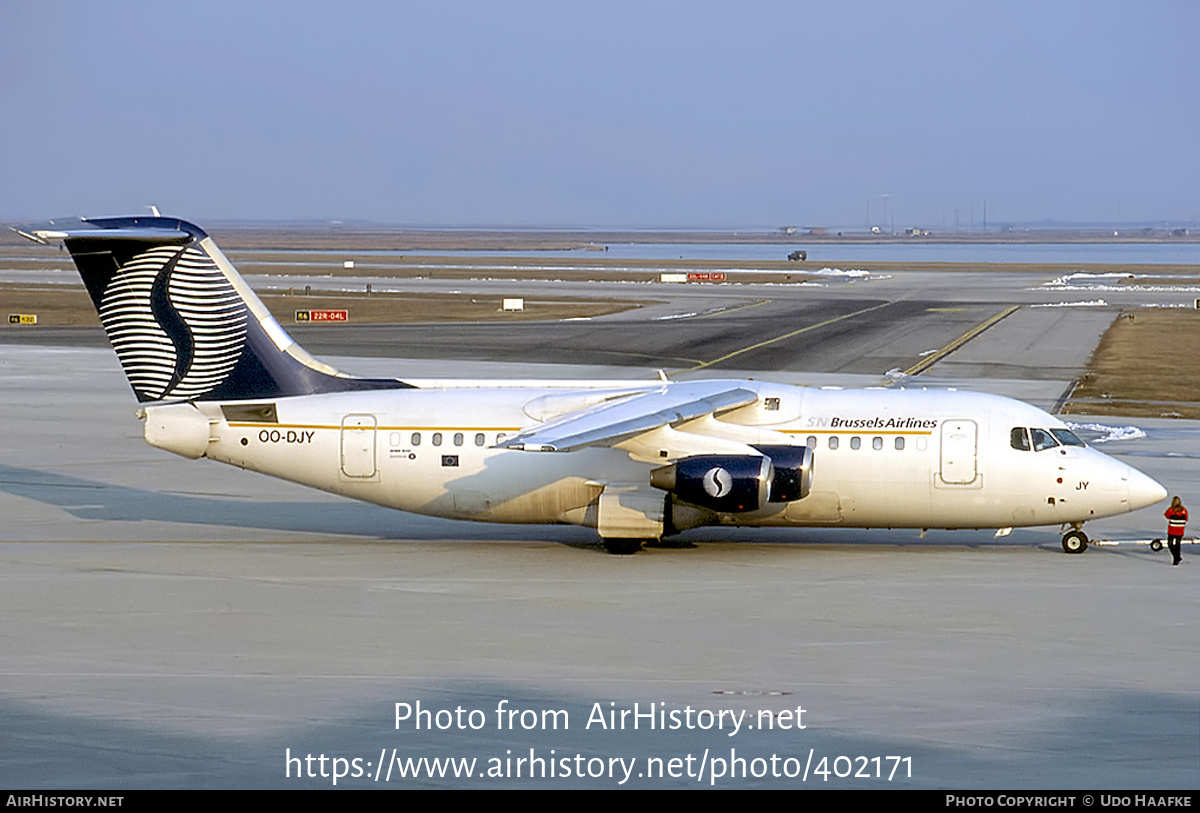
<point x="1075" y="540"/>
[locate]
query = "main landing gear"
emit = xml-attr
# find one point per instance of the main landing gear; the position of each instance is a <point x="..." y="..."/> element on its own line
<point x="622" y="547"/>
<point x="1075" y="540"/>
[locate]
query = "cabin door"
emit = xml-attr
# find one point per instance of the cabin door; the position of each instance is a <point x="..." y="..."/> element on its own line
<point x="358" y="445"/>
<point x="959" y="438"/>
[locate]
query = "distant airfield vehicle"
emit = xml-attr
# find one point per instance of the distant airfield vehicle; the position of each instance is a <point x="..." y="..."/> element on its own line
<point x="638" y="461"/>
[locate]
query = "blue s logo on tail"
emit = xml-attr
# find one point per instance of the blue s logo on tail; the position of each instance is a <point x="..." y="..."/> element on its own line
<point x="184" y="324"/>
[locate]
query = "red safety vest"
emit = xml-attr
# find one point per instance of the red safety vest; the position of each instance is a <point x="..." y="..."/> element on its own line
<point x="1176" y="520"/>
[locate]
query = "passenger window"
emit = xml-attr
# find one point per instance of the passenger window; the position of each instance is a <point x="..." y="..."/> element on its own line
<point x="479" y="440"/>
<point x="500" y="436"/>
<point x="833" y="442"/>
<point x="416" y="438"/>
<point x="1018" y="438"/>
<point x="900" y="444"/>
<point x="1042" y="439"/>
<point x="437" y="438"/>
<point x="458" y="438"/>
<point x="811" y="442"/>
<point x="877" y="443"/>
<point x="855" y="442"/>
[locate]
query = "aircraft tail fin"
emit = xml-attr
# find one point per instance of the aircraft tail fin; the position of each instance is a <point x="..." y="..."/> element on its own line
<point x="184" y="323"/>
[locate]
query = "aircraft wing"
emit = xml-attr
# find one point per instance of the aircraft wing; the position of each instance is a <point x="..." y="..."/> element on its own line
<point x="610" y="423"/>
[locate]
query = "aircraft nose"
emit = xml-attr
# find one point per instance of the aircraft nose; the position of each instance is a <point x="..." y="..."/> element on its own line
<point x="1143" y="490"/>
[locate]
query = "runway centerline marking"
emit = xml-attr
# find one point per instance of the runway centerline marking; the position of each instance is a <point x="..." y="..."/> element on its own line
<point x="788" y="335"/>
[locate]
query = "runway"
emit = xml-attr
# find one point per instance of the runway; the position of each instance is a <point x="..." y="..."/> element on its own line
<point x="755" y="331"/>
<point x="183" y="624"/>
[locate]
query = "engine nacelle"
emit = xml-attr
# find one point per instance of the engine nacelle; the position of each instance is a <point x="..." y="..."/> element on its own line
<point x="793" y="472"/>
<point x="733" y="483"/>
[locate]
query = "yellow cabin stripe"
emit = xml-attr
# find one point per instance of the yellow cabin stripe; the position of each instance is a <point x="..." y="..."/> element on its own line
<point x="256" y="425"/>
<point x="856" y="431"/>
<point x="244" y="425"/>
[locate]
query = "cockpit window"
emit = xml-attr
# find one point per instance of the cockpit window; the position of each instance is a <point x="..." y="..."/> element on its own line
<point x="1019" y="438"/>
<point x="1042" y="439"/>
<point x="1066" y="437"/>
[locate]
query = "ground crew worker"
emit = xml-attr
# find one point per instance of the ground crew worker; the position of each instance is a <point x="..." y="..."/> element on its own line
<point x="1176" y="521"/>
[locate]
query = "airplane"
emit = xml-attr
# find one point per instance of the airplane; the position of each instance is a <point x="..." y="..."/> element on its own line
<point x="217" y="377"/>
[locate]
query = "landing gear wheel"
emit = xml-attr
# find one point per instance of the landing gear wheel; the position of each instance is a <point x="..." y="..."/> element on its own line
<point x="1156" y="545"/>
<point x="1075" y="542"/>
<point x="622" y="547"/>
<point x="669" y="543"/>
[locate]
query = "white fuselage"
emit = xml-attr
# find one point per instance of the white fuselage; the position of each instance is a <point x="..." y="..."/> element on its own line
<point x="881" y="458"/>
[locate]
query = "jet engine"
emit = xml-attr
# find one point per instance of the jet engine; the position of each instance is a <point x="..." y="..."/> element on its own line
<point x="738" y="483"/>
<point x="793" y="472"/>
<point x="719" y="482"/>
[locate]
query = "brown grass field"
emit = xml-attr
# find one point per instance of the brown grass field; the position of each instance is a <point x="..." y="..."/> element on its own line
<point x="1145" y="366"/>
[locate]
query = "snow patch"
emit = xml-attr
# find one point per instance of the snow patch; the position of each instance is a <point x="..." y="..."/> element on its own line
<point x="1104" y="433"/>
<point x="838" y="272"/>
<point x="1091" y="303"/>
<point x="1085" y="281"/>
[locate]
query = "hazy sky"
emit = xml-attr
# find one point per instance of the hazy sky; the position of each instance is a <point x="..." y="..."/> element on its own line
<point x="723" y="114"/>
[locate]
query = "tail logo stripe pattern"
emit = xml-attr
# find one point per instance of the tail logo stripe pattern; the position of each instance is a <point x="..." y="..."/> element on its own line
<point x="176" y="322"/>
